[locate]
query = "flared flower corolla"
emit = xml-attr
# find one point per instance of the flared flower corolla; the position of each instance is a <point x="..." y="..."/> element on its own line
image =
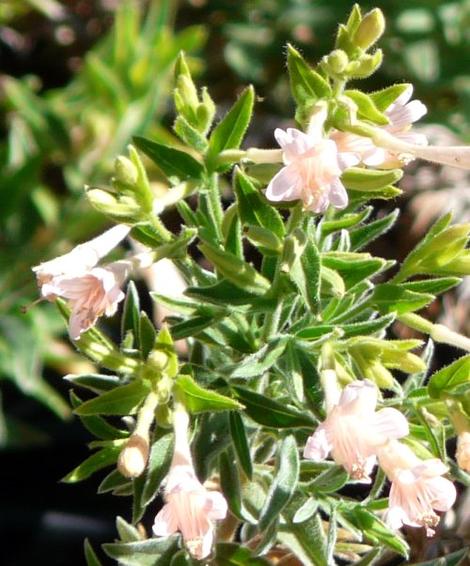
<point x="418" y="488"/>
<point x="353" y="431"/>
<point x="79" y="260"/>
<point x="402" y="113"/>
<point x="90" y="295"/>
<point x="189" y="507"/>
<point x="312" y="167"/>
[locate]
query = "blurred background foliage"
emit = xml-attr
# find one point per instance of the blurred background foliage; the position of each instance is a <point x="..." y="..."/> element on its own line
<point x="79" y="78"/>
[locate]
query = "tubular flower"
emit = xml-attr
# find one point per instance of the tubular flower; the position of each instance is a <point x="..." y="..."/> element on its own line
<point x="189" y="508"/>
<point x="312" y="167"/>
<point x="353" y="431"/>
<point x="402" y="113"/>
<point x="80" y="260"/>
<point x="418" y="488"/>
<point x="90" y="294"/>
<point x="463" y="451"/>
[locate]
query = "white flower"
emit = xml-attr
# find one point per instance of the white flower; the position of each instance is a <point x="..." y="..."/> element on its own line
<point x="463" y="451"/>
<point x="418" y="488"/>
<point x="312" y="167"/>
<point x="90" y="294"/>
<point x="190" y="508"/>
<point x="353" y="430"/>
<point x="401" y="114"/>
<point x="81" y="259"/>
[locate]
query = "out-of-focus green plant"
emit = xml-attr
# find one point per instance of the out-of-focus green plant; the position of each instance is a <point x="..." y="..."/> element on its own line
<point x="56" y="141"/>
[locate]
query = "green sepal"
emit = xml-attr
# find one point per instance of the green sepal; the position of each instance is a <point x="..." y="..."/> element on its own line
<point x="362" y="179"/>
<point x="366" y="107"/>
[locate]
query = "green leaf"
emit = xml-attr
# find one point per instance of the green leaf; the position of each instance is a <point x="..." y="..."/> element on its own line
<point x="232" y="554"/>
<point x="360" y="179"/>
<point x="355" y="329"/>
<point x="101" y="459"/>
<point x="307" y="85"/>
<point x="306" y="539"/>
<point x="383" y="98"/>
<point x="155" y="547"/>
<point x="97" y="425"/>
<point x="353" y="267"/>
<point x="192" y="326"/>
<point x="346" y="221"/>
<point x="366" y="107"/>
<point x="229" y="132"/>
<point x="453" y="559"/>
<point x="90" y="556"/>
<point x="123" y="400"/>
<point x="285" y="480"/>
<point x="306" y="274"/>
<point x="225" y="293"/>
<point x="114" y="480"/>
<point x="234" y="269"/>
<point x="230" y="485"/>
<point x="127" y="532"/>
<point x="363" y="235"/>
<point x="305" y="511"/>
<point x="173" y="162"/>
<point x="94" y="381"/>
<point x="253" y="209"/>
<point x="433" y="286"/>
<point x="130" y="314"/>
<point x="444" y="381"/>
<point x="211" y="438"/>
<point x="376" y="530"/>
<point x="388" y="297"/>
<point x="259" y="362"/>
<point x="329" y="481"/>
<point x="231" y="230"/>
<point x="200" y="400"/>
<point x="147" y="334"/>
<point x="157" y="467"/>
<point x="267" y="412"/>
<point x="240" y="443"/>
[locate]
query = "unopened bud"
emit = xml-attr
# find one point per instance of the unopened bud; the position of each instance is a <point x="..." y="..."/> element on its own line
<point x="158" y="360"/>
<point x="370" y="29"/>
<point x="463" y="451"/>
<point x="336" y="61"/>
<point x="365" y="66"/>
<point x="122" y="207"/>
<point x="125" y="171"/>
<point x="134" y="456"/>
<point x="440" y="333"/>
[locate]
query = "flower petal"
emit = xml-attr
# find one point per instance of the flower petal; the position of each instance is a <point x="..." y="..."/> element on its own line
<point x="216" y="505"/>
<point x="389" y="424"/>
<point x="359" y="397"/>
<point x="166" y="522"/>
<point x="443" y="491"/>
<point x="337" y="195"/>
<point x="318" y="447"/>
<point x="283" y="186"/>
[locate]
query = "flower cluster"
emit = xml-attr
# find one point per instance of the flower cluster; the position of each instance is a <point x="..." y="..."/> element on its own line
<point x="315" y="160"/>
<point x="357" y="436"/>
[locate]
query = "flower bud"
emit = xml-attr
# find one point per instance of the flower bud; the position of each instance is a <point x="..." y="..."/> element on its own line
<point x="336" y="62"/>
<point x="370" y="29"/>
<point x="125" y="171"/>
<point x="365" y="66"/>
<point x="463" y="451"/>
<point x="134" y="456"/>
<point x="120" y="208"/>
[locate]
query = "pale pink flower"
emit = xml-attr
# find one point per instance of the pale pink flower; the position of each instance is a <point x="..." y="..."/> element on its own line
<point x="312" y="167"/>
<point x="418" y="488"/>
<point x="353" y="431"/>
<point x="81" y="259"/>
<point x="190" y="508"/>
<point x="402" y="113"/>
<point x="90" y="294"/>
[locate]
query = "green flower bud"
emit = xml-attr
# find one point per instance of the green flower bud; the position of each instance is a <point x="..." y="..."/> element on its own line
<point x="365" y="66"/>
<point x="370" y="29"/>
<point x="121" y="208"/>
<point x="336" y="62"/>
<point x="125" y="171"/>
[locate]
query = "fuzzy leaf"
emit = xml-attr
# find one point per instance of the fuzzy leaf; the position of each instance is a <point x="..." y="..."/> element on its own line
<point x="200" y="400"/>
<point x="123" y="400"/>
